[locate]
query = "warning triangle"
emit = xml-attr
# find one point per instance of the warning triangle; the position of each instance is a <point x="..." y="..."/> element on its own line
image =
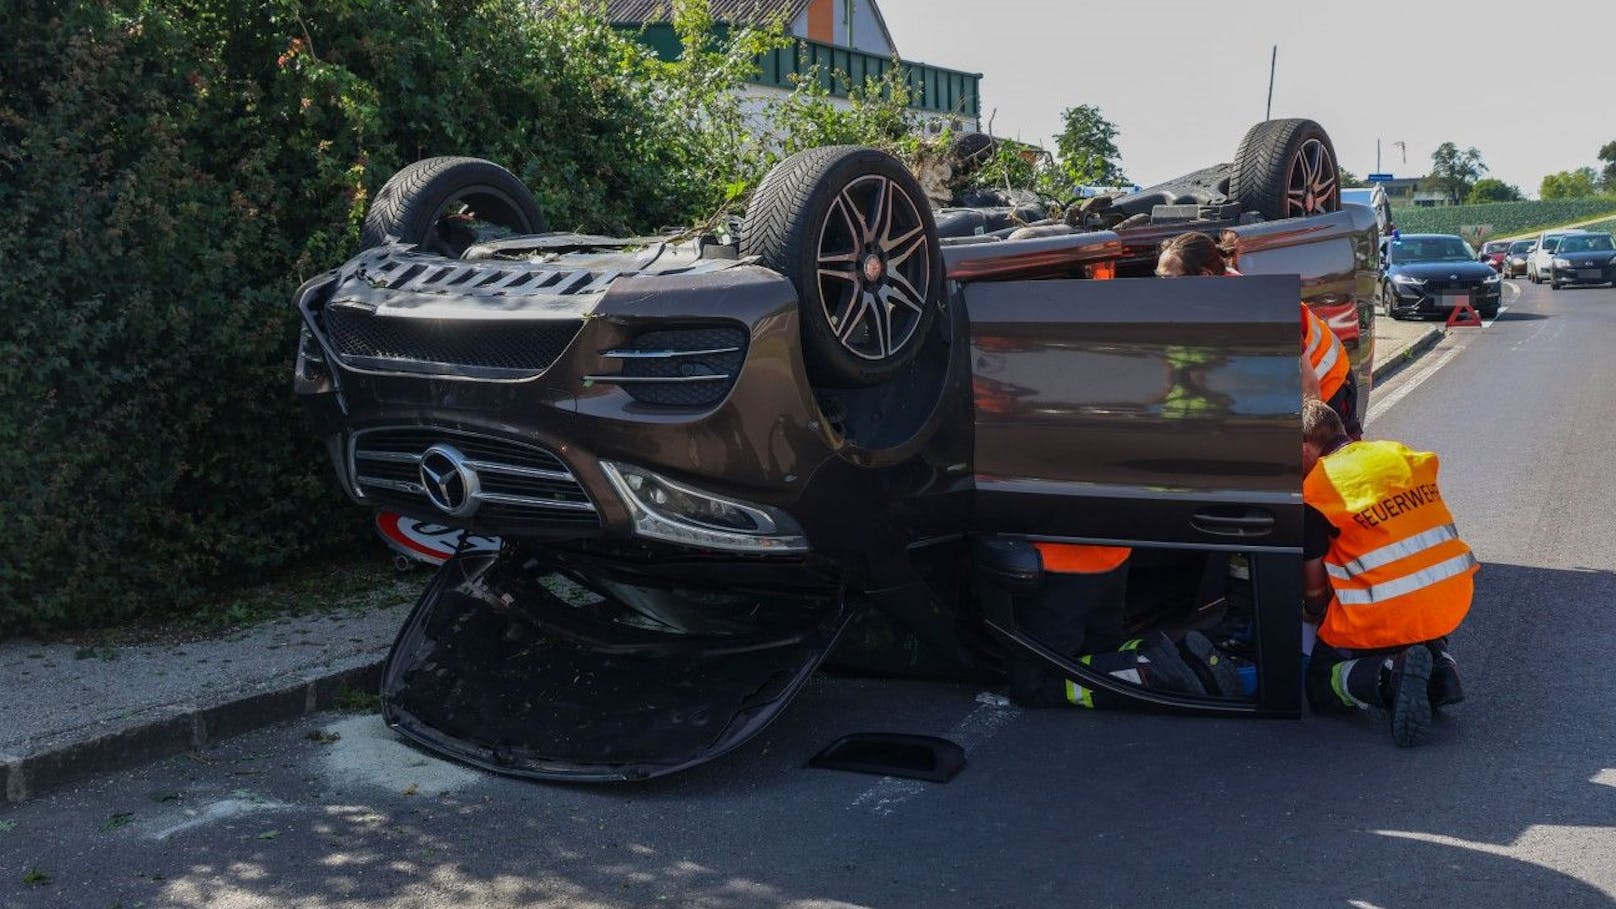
<point x="1464" y="315"/>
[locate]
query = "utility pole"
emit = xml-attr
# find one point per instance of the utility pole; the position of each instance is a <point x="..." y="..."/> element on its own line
<point x="1273" y="61"/>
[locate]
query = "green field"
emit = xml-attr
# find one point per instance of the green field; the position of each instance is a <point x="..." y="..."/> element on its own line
<point x="1507" y="218"/>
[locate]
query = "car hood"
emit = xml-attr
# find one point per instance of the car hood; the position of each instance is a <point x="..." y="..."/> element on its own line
<point x="1592" y="257"/>
<point x="516" y="668"/>
<point x="1444" y="271"/>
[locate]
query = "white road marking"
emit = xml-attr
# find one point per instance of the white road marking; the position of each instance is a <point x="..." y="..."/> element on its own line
<point x="1379" y="408"/>
<point x="991" y="714"/>
<point x="222" y="810"/>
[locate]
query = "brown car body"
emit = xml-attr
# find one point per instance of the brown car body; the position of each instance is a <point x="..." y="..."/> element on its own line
<point x="1048" y="404"/>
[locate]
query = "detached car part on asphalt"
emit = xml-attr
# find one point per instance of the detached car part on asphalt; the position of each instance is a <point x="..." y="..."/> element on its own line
<point x="715" y="464"/>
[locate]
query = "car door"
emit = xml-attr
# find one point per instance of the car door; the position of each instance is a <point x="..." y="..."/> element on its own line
<point x="1148" y="413"/>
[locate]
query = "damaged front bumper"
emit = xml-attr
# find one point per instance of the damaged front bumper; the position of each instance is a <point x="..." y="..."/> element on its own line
<point x="510" y="664"/>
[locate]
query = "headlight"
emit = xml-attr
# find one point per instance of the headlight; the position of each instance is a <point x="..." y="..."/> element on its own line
<point x="1561" y="263"/>
<point x="1493" y="278"/>
<point x="666" y="510"/>
<point x="1407" y="279"/>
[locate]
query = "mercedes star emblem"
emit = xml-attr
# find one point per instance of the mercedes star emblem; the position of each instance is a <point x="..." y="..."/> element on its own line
<point x="449" y="481"/>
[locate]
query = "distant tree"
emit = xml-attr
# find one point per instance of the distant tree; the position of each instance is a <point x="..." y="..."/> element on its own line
<point x="1087" y="148"/>
<point x="1607" y="154"/>
<point x="1349" y="180"/>
<point x="1454" y="172"/>
<point x="1492" y="190"/>
<point x="1569" y="184"/>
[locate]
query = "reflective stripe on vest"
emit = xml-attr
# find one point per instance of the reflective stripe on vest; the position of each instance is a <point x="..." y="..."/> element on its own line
<point x="1399" y="570"/>
<point x="1391" y="552"/>
<point x="1419" y="580"/>
<point x="1325" y="353"/>
<point x="1080" y="558"/>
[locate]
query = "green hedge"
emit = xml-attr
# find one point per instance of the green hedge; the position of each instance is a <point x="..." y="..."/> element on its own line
<point x="169" y="171"/>
<point x="1507" y="218"/>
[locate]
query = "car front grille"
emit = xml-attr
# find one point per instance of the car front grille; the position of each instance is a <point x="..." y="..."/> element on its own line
<point x="683" y="367"/>
<point x="500" y="348"/>
<point x="523" y="487"/>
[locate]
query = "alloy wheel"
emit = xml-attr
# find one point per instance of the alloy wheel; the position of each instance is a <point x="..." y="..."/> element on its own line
<point x="1311" y="185"/>
<point x="874" y="267"/>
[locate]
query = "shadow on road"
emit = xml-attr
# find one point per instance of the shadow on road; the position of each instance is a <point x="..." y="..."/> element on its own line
<point x="1512" y="802"/>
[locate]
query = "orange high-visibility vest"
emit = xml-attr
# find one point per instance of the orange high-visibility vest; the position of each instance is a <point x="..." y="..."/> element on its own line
<point x="1400" y="573"/>
<point x="1078" y="558"/>
<point x="1325" y="353"/>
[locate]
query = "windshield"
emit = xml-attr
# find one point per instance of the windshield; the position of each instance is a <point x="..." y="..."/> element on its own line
<point x="1550" y="243"/>
<point x="1495" y="246"/>
<point x="1431" y="249"/>
<point x="1521" y="246"/>
<point x="1598" y="243"/>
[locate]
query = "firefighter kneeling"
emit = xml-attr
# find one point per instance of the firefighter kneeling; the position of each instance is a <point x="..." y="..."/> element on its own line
<point x="1385" y="575"/>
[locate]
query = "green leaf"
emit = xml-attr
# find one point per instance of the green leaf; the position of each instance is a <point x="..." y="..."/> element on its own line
<point x="121" y="819"/>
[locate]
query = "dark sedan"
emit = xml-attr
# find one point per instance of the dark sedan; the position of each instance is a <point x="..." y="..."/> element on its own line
<point x="1430" y="274"/>
<point x="1515" y="260"/>
<point x="1583" y="259"/>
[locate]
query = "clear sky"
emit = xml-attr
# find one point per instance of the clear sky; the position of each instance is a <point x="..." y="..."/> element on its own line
<point x="1531" y="85"/>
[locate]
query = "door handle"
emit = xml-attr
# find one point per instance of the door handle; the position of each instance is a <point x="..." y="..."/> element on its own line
<point x="1234" y="521"/>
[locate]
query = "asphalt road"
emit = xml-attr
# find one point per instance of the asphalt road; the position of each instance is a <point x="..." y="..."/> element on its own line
<point x="1513" y="803"/>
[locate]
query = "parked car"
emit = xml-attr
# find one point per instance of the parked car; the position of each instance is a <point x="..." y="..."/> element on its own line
<point x="1374" y="197"/>
<point x="713" y="461"/>
<point x="1493" y="253"/>
<point x="1542" y="258"/>
<point x="1426" y="275"/>
<point x="1583" y="258"/>
<point x="1515" y="260"/>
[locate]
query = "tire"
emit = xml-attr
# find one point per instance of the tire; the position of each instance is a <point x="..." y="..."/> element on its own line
<point x="867" y="295"/>
<point x="971" y="151"/>
<point x="1286" y="169"/>
<point x="1554" y="285"/>
<point x="444" y="205"/>
<point x="1490" y="312"/>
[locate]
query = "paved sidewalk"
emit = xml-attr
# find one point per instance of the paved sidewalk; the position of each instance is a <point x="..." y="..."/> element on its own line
<point x="71" y="711"/>
<point x="1399" y="343"/>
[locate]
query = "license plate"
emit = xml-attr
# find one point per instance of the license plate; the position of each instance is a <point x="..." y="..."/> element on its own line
<point x="1590" y="272"/>
<point x="1448" y="299"/>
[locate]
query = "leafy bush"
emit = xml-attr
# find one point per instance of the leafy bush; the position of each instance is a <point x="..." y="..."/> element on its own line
<point x="175" y="168"/>
<point x="1507" y="218"/>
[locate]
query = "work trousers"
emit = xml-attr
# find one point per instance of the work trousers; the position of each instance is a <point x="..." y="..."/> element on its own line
<point x="1073" y="615"/>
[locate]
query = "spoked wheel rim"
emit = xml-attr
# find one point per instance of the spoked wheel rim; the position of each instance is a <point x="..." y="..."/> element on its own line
<point x="475" y="215"/>
<point x="874" y="268"/>
<point x="1311" y="186"/>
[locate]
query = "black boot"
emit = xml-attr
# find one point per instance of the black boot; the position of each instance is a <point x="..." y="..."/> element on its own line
<point x="1408" y="696"/>
<point x="1161" y="667"/>
<point x="1216" y="672"/>
<point x="1445" y="687"/>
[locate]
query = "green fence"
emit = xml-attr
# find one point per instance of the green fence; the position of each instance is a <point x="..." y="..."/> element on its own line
<point x="932" y="88"/>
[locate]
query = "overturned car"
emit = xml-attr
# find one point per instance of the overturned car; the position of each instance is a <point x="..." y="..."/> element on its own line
<point x="714" y="464"/>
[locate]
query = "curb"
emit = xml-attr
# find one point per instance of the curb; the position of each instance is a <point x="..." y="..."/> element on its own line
<point x="1409" y="354"/>
<point x="180" y="730"/>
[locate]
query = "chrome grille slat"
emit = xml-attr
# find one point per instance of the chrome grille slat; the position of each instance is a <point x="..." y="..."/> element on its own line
<point x="523" y="486"/>
<point x="400" y="456"/>
<point x="395" y="485"/>
<point x="627" y="354"/>
<point x="516" y="471"/>
<point x="631" y="380"/>
<point x="499" y="498"/>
